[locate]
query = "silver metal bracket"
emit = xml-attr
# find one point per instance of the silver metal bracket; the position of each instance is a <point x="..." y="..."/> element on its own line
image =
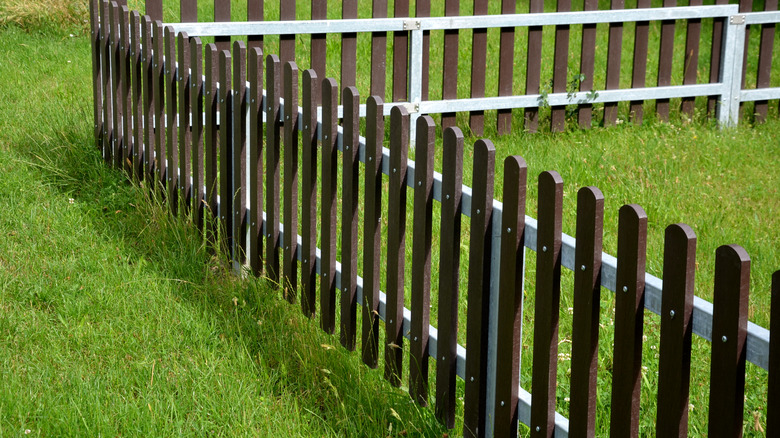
<point x="415" y="24"/>
<point x="412" y="107"/>
<point x="737" y="19"/>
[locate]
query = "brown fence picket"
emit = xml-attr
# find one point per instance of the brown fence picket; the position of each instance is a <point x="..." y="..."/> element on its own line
<point x="238" y="157"/>
<point x="286" y="42"/>
<point x="330" y="101"/>
<point x="222" y="13"/>
<point x="291" y="155"/>
<point x="196" y="103"/>
<point x="773" y="393"/>
<point x="506" y="63"/>
<point x="547" y="303"/>
<point x="188" y="10"/>
<point x="273" y="81"/>
<point x="137" y="102"/>
<point x="349" y="216"/>
<point x="478" y="69"/>
<point x="587" y="60"/>
<point x="533" y="72"/>
<point x="349" y="9"/>
<point x="745" y="6"/>
<point x="629" y="320"/>
<point x="665" y="57"/>
<point x="691" y="64"/>
<point x="225" y="151"/>
<point x="210" y="140"/>
<point x="154" y="9"/>
<point x="255" y="12"/>
<point x="764" y="72"/>
<point x="674" y="362"/>
<point x="319" y="11"/>
<point x="421" y="259"/>
<point x="159" y="105"/>
<point x="379" y="52"/>
<point x="560" y="68"/>
<point x="255" y="108"/>
<point x="372" y="231"/>
<point x="400" y="54"/>
<point x="185" y="133"/>
<point x="715" y="55"/>
<point x="614" y="55"/>
<point x="449" y="275"/>
<point x="125" y="68"/>
<point x="481" y="246"/>
<point x="585" y="321"/>
<point x="311" y="96"/>
<point x="396" y="244"/>
<point x="105" y="85"/>
<point x="423" y="9"/>
<point x="116" y="85"/>
<point x="510" y="297"/>
<point x="449" y="85"/>
<point x="639" y="70"/>
<point x="729" y="332"/>
<point x="171" y="156"/>
<point x="147" y="66"/>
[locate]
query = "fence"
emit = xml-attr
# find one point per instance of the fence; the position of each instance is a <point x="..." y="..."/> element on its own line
<point x="170" y="110"/>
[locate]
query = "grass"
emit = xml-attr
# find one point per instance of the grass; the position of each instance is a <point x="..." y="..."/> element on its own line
<point x="154" y="298"/>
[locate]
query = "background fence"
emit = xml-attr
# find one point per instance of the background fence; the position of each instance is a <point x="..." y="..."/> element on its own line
<point x="213" y="126"/>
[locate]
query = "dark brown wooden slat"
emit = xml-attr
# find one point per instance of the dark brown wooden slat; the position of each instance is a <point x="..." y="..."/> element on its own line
<point x="147" y="65"/>
<point x="311" y="96"/>
<point x="585" y="321"/>
<point x="171" y="156"/>
<point x="136" y="96"/>
<point x="255" y="11"/>
<point x="423" y="9"/>
<point x="478" y="69"/>
<point x="96" y="30"/>
<point x="533" y="73"/>
<point x="330" y="101"/>
<point x="421" y="259"/>
<point x="506" y="61"/>
<point x="238" y="159"/>
<point x="273" y="120"/>
<point x="560" y="68"/>
<point x="185" y="133"/>
<point x="665" y="57"/>
<point x="379" y="52"/>
<point x="477" y="324"/>
<point x="510" y="297"/>
<point x="587" y="59"/>
<point x="674" y="363"/>
<point x="729" y="332"/>
<point x="349" y="216"/>
<point x="614" y="55"/>
<point x="125" y="71"/>
<point x="745" y="6"/>
<point x="116" y="86"/>
<point x="222" y="13"/>
<point x="629" y="320"/>
<point x="691" y="65"/>
<point x="547" y="304"/>
<point x="449" y="275"/>
<point x="396" y="244"/>
<point x="154" y="9"/>
<point x="291" y="155"/>
<point x="639" y="71"/>
<point x="400" y="54"/>
<point x="715" y="56"/>
<point x="159" y="107"/>
<point x="210" y="140"/>
<point x="349" y="9"/>
<point x="286" y="42"/>
<point x="449" y="85"/>
<point x="225" y="151"/>
<point x="773" y="393"/>
<point x="196" y="103"/>
<point x="764" y="71"/>
<point x="372" y="232"/>
<point x="319" y="11"/>
<point x="255" y="108"/>
<point x="188" y="10"/>
<point x="106" y="83"/>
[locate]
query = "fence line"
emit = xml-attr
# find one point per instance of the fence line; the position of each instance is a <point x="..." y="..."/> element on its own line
<point x="500" y="232"/>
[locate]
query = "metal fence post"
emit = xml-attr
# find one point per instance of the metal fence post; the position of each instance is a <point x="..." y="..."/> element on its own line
<point x="731" y="70"/>
<point x="415" y="74"/>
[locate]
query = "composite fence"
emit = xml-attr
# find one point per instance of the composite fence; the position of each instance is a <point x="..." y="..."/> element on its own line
<point x="212" y="127"/>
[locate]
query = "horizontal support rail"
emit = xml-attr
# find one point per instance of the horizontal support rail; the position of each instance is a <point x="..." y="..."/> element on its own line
<point x="759" y="94"/>
<point x="769" y="17"/>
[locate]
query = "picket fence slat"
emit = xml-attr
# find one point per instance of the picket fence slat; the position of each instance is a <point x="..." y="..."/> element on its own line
<point x="159" y="106"/>
<point x="665" y="58"/>
<point x="560" y="69"/>
<point x="255" y="11"/>
<point x="256" y="168"/>
<point x="222" y="14"/>
<point x="147" y="67"/>
<point x="125" y="70"/>
<point x="421" y="259"/>
<point x="506" y="64"/>
<point x="319" y="11"/>
<point x="238" y="185"/>
<point x="585" y="320"/>
<point x="396" y="244"/>
<point x="105" y="31"/>
<point x="400" y="54"/>
<point x="225" y="150"/>
<point x="674" y="362"/>
<point x="478" y="68"/>
<point x="773" y="393"/>
<point x="715" y="56"/>
<point x="691" y="65"/>
<point x="629" y="321"/>
<point x="185" y="133"/>
<point x="764" y="71"/>
<point x="614" y="57"/>
<point x="449" y="86"/>
<point x="197" y="194"/>
<point x="309" y="149"/>
<point x="116" y="86"/>
<point x="272" y="149"/>
<point x="171" y="121"/>
<point x="349" y="9"/>
<point x="154" y="9"/>
<point x="639" y="70"/>
<point x="188" y="10"/>
<point x="330" y="101"/>
<point x="350" y="189"/>
<point x="291" y="156"/>
<point x="137" y="97"/>
<point x="211" y="139"/>
<point x="729" y="331"/>
<point x="477" y="317"/>
<point x="379" y="52"/>
<point x="286" y="42"/>
<point x="587" y="66"/>
<point x="547" y="303"/>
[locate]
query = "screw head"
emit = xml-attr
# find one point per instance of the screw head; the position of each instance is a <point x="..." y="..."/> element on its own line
<point x="502" y="403"/>
<point x="508" y="230"/>
<point x="544" y="249"/>
<point x="671" y="314"/>
<point x="625" y="288"/>
<point x="538" y="428"/>
<point x="419" y="183"/>
<point x="472" y="378"/>
<point x="724" y="339"/>
<point x="582" y="268"/>
<point x="479" y="211"/>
